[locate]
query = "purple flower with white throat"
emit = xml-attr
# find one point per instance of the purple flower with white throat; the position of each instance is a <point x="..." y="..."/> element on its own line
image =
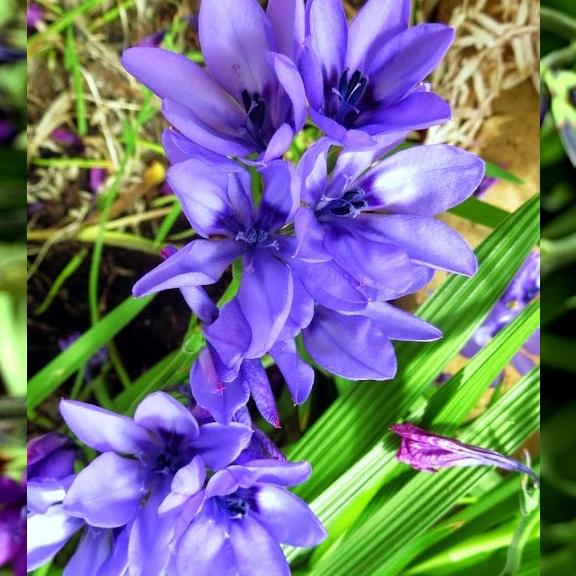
<point x="250" y="98"/>
<point x="367" y="79"/>
<point x="523" y="289"/>
<point x="50" y="473"/>
<point x="139" y="461"/>
<point x="431" y="452"/>
<point x="220" y="208"/>
<point x="376" y="221"/>
<point x="237" y="523"/>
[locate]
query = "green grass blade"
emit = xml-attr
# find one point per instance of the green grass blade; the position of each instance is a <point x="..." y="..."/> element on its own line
<point x="54" y="374"/>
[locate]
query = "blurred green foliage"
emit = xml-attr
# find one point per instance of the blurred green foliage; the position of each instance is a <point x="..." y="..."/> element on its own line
<point x="558" y="146"/>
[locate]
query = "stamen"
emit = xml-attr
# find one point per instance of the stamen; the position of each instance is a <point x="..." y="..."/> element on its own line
<point x="349" y="92"/>
<point x="255" y="107"/>
<point x="351" y="204"/>
<point x="234" y="505"/>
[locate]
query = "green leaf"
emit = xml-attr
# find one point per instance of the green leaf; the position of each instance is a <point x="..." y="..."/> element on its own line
<point x="480" y="213"/>
<point x="378" y="545"/>
<point x="54" y="374"/>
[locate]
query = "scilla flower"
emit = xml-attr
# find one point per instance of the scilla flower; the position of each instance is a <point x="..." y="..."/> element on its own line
<point x="139" y="460"/>
<point x="366" y="79"/>
<point x="236" y="524"/>
<point x="250" y="98"/>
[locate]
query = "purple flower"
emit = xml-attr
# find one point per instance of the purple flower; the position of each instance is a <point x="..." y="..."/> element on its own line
<point x="219" y="207"/>
<point x="376" y="222"/>
<point x="366" y="79"/>
<point x="34" y="15"/>
<point x="237" y="523"/>
<point x="50" y="473"/>
<point x="430" y="452"/>
<point x="140" y="459"/>
<point x="524" y="287"/>
<point x="13" y="525"/>
<point x="250" y="98"/>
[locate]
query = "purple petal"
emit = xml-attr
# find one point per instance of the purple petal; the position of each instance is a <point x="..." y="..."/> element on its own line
<point x="220" y="445"/>
<point x="221" y="399"/>
<point x="235" y="36"/>
<point x="200" y="303"/>
<point x="350" y="139"/>
<point x="108" y="492"/>
<point x="376" y="23"/>
<point x="424" y="180"/>
<point x="310" y="236"/>
<point x="416" y="111"/>
<point x="149" y="545"/>
<point x="313" y="170"/>
<point x="176" y="78"/>
<point x="330" y="285"/>
<point x="281" y="195"/>
<point x="287" y="19"/>
<point x="371" y="262"/>
<point x="522" y="363"/>
<point x="104" y="430"/>
<point x="226" y="140"/>
<point x="407" y="59"/>
<point x="178" y="149"/>
<point x="166" y="417"/>
<point x="287" y="518"/>
<point x="92" y="551"/>
<point x="279" y="143"/>
<point x="301" y="312"/>
<point x="397" y="324"/>
<point x="257" y="553"/>
<point x="326" y="24"/>
<point x="265" y="297"/>
<point x="311" y="72"/>
<point x="349" y="346"/>
<point x="202" y="192"/>
<point x="117" y="561"/>
<point x="426" y="240"/>
<point x="291" y="81"/>
<point x="256" y="379"/>
<point x="205" y="548"/>
<point x="199" y="263"/>
<point x="230" y="334"/>
<point x="298" y="374"/>
<point x="187" y="482"/>
<point x="532" y="345"/>
<point x="47" y="534"/>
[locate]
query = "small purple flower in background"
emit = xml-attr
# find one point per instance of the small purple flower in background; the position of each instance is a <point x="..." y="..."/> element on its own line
<point x="241" y="518"/>
<point x="13" y="525"/>
<point x="250" y="98"/>
<point x="34" y="15"/>
<point x="140" y="459"/>
<point x="66" y="137"/>
<point x="520" y="292"/>
<point x="96" y="178"/>
<point x="430" y="452"/>
<point x="8" y="131"/>
<point x="95" y="362"/>
<point x="50" y="474"/>
<point x="485" y="185"/>
<point x="366" y="79"/>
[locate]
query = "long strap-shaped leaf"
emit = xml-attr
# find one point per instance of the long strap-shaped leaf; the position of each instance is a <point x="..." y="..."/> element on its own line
<point x="359" y="418"/>
<point x="342" y="503"/>
<point x="375" y="546"/>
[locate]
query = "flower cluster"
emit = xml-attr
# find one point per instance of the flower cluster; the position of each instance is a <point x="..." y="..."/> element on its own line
<point x="320" y="249"/>
<point x="169" y="494"/>
<point x="324" y="246"/>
